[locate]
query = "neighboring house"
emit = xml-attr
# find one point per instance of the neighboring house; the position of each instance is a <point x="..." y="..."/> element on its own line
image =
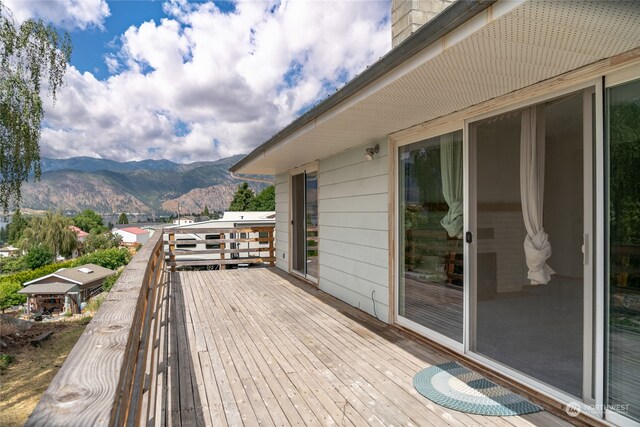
<point x="417" y="193"/>
<point x="9" y="251"/>
<point x="193" y="241"/>
<point x="66" y="289"/>
<point x="184" y="220"/>
<point x="247" y="216"/>
<point x="81" y="235"/>
<point x="132" y="236"/>
<point x="151" y="229"/>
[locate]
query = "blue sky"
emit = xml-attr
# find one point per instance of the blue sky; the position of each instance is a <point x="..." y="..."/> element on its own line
<point x="91" y="45"/>
<point x="190" y="81"/>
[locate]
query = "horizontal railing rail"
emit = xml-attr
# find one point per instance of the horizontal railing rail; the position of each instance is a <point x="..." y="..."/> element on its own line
<point x="107" y="379"/>
<point x="233" y="246"/>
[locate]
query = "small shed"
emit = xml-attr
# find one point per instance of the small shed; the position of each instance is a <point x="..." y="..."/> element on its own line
<point x="66" y="289"/>
<point x="53" y="297"/>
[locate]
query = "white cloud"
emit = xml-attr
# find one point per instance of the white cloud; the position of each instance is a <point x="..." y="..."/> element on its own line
<point x="201" y="84"/>
<point x="69" y="14"/>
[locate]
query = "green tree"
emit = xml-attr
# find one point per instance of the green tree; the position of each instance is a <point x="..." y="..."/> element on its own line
<point x="205" y="212"/>
<point x="265" y="200"/>
<point x="14" y="264"/>
<point x="242" y="198"/>
<point x="52" y="231"/>
<point x="17" y="226"/>
<point x="38" y="256"/>
<point x="123" y="219"/>
<point x="89" y="221"/>
<point x="108" y="258"/>
<point x="9" y="295"/>
<point x="97" y="241"/>
<point x="4" y="235"/>
<point x="32" y="55"/>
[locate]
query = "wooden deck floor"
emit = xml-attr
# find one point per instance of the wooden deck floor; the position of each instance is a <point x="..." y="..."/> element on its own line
<point x="258" y="347"/>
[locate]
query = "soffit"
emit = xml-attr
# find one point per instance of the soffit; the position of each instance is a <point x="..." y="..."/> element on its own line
<point x="535" y="41"/>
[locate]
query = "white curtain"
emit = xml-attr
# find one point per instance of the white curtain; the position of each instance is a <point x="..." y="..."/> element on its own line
<point x="451" y="171"/>
<point x="537" y="248"/>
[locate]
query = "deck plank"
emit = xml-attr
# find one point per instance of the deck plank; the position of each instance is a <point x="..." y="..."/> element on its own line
<point x="357" y="355"/>
<point x="267" y="349"/>
<point x="285" y="393"/>
<point x="309" y="381"/>
<point x="218" y="388"/>
<point x="244" y="393"/>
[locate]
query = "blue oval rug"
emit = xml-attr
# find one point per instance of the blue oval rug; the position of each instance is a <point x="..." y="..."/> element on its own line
<point x="455" y="387"/>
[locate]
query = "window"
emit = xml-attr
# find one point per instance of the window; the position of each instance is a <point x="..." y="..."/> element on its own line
<point x="186" y="245"/>
<point x="263" y="235"/>
<point x="212" y="237"/>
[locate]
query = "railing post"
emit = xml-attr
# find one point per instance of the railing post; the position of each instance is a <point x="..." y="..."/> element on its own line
<point x="271" y="248"/>
<point x="172" y="251"/>
<point x="222" y="248"/>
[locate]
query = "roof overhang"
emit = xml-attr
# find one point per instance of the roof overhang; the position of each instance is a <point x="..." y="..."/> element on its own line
<point x="49" y="289"/>
<point x="472" y="52"/>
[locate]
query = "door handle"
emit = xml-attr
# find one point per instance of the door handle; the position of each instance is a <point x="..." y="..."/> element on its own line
<point x="585" y="249"/>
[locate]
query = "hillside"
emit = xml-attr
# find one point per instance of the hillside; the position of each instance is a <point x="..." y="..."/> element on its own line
<point x="106" y="186"/>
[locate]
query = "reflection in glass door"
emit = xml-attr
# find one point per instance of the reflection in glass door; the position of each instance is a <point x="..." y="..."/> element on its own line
<point x="304" y="204"/>
<point x="623" y="135"/>
<point x="533" y="216"/>
<point x="431" y="276"/>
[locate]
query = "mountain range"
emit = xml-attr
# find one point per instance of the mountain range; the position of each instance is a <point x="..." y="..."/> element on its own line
<point x="148" y="186"/>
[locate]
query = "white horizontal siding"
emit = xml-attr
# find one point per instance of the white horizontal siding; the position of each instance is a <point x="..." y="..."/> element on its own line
<point x="370" y="185"/>
<point x="368" y="203"/>
<point x="353" y="229"/>
<point x="357" y="292"/>
<point x="372" y="220"/>
<point x="282" y="221"/>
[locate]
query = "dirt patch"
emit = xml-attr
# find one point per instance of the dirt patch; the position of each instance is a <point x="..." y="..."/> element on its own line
<point x="33" y="368"/>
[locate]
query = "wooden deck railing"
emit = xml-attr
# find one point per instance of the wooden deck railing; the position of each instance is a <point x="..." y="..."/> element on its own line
<point x="228" y="248"/>
<point x="106" y="379"/>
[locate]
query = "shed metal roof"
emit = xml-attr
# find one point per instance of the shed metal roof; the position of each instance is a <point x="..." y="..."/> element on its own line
<point x="77" y="276"/>
<point x="49" y="288"/>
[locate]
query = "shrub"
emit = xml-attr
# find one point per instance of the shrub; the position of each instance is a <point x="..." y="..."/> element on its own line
<point x="110" y="281"/>
<point x="95" y="303"/>
<point x="9" y="295"/>
<point x="28" y="275"/>
<point x="14" y="264"/>
<point x="5" y="361"/>
<point x="38" y="256"/>
<point x="107" y="258"/>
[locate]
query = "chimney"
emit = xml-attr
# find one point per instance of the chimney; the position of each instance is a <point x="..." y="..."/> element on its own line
<point x="409" y="15"/>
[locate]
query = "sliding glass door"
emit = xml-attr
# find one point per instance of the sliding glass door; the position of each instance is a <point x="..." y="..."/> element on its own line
<point x="431" y="276"/>
<point x="304" y="223"/>
<point x="533" y="192"/>
<point x="623" y="137"/>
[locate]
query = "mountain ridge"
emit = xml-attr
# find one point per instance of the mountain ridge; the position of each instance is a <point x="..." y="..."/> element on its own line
<point x="147" y="186"/>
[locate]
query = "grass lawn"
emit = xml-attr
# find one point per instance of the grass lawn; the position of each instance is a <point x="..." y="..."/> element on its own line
<point x="25" y="380"/>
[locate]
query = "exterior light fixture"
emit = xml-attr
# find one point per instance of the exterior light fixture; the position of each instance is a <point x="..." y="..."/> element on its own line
<point x="369" y="152"/>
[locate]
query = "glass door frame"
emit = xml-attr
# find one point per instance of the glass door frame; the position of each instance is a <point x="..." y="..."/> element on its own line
<point x="403" y="321"/>
<point x="311" y="167"/>
<point x="593" y="407"/>
<point x="619" y="77"/>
